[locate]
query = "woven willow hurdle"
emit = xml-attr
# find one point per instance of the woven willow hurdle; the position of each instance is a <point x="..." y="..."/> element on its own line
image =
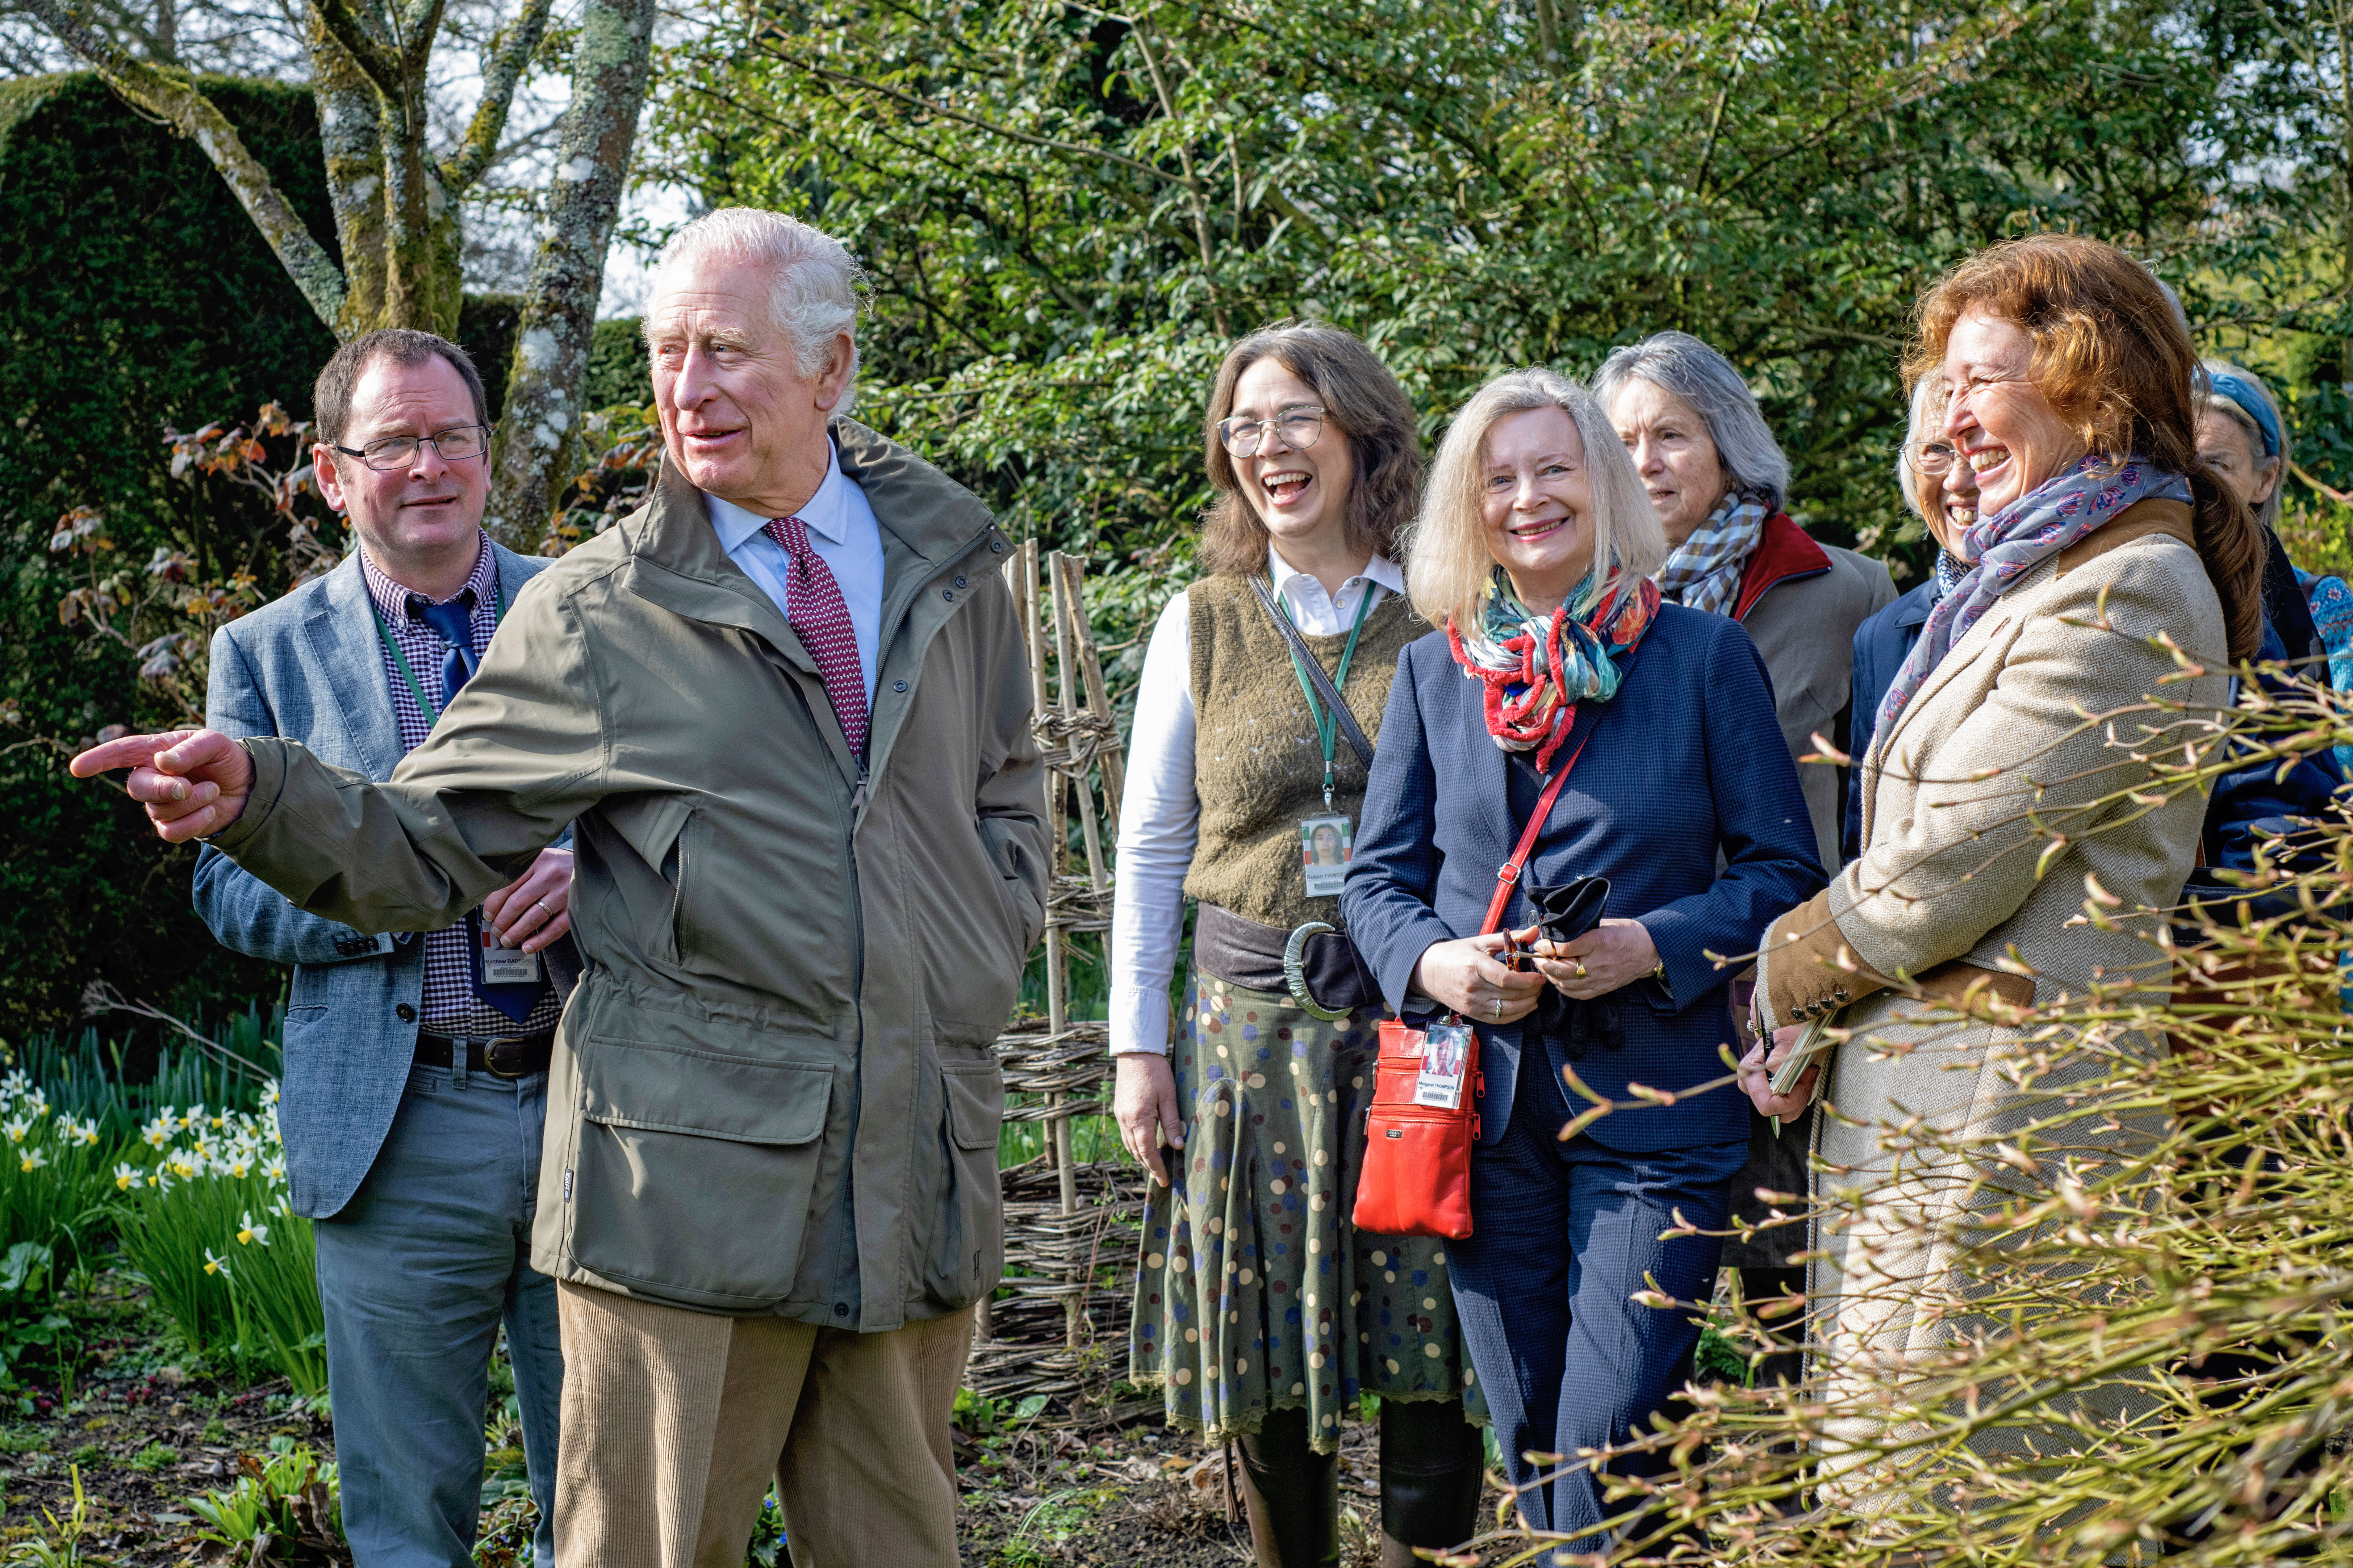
<point x="1065" y="1222"/>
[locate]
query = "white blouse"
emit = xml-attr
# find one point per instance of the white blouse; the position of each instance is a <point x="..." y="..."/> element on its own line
<point x="1160" y="815"/>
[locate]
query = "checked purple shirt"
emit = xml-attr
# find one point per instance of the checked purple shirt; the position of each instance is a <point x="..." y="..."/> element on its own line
<point x="451" y="1006"/>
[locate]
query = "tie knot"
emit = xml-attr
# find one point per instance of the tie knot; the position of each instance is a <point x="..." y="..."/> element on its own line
<point x="453" y="620"/>
<point x="791" y="534"/>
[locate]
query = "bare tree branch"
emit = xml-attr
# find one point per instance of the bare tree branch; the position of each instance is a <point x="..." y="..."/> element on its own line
<point x="193" y="115"/>
<point x="551" y="356"/>
<point x="510" y="52"/>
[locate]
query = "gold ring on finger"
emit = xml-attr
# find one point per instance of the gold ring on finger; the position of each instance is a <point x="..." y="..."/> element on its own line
<point x="1580" y="967"/>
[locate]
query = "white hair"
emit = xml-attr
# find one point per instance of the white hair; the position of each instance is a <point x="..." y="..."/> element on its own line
<point x="1447" y="560"/>
<point x="816" y="291"/>
<point x="1928" y="395"/>
<point x="1685" y="368"/>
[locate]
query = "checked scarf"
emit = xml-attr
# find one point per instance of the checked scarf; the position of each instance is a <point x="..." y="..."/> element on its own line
<point x="2013" y="541"/>
<point x="1704" y="571"/>
<point x="1536" y="670"/>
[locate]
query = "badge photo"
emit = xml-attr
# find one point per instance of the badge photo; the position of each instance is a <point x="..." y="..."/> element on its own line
<point x="1325" y="844"/>
<point x="1445" y="1055"/>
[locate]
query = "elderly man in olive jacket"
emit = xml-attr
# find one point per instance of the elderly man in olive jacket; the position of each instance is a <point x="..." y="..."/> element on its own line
<point x="785" y="706"/>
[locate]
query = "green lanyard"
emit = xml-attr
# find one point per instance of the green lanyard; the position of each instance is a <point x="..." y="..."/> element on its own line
<point x="1326" y="725"/>
<point x="400" y="659"/>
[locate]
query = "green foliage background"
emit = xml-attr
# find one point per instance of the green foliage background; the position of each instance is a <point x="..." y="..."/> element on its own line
<point x="134" y="292"/>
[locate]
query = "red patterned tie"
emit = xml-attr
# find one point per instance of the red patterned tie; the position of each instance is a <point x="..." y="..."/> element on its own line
<point x="815" y="607"/>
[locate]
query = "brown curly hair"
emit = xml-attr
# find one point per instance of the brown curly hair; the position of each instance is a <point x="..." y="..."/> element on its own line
<point x="1361" y="398"/>
<point x="2113" y="357"/>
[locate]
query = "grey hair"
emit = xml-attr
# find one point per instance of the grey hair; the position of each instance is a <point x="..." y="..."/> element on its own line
<point x="1925" y="394"/>
<point x="1681" y="365"/>
<point x="1447" y="563"/>
<point x="816" y="291"/>
<point x="2206" y="400"/>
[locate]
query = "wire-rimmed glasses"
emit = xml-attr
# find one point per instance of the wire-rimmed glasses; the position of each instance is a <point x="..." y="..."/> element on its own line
<point x="1931" y="459"/>
<point x="1299" y="428"/>
<point x="455" y="444"/>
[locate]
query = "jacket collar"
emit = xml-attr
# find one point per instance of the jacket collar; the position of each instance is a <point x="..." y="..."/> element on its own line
<point x="1912" y="609"/>
<point x="927" y="520"/>
<point x="1784" y="552"/>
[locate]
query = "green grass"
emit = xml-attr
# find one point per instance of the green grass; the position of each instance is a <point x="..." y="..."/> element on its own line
<point x="154" y="1456"/>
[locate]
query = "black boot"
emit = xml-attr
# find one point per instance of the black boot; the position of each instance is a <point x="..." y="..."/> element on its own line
<point x="1432" y="1464"/>
<point x="1292" y="1495"/>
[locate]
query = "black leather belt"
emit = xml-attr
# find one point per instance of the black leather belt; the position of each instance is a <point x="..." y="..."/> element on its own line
<point x="500" y="1056"/>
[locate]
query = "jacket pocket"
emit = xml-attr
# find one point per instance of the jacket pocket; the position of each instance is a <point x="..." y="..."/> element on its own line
<point x="969" y="1257"/>
<point x="694" y="1170"/>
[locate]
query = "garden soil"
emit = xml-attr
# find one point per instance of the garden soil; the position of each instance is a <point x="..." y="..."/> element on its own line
<point x="124" y="1407"/>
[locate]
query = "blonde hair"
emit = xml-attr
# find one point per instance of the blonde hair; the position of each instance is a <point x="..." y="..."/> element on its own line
<point x="1447" y="562"/>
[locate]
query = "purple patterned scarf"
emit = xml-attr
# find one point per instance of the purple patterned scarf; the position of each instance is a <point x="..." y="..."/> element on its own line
<point x="2013" y="541"/>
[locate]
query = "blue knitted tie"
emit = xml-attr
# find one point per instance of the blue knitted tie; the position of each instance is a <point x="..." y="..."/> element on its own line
<point x="454" y="621"/>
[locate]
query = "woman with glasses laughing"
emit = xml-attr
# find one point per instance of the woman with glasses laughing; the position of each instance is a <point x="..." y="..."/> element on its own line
<point x="1260" y="1312"/>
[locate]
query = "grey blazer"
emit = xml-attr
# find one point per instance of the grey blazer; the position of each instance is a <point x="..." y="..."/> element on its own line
<point x="308" y="667"/>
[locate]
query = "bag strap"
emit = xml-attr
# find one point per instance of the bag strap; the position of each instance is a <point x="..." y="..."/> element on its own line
<point x="1314" y="668"/>
<point x="1508" y="876"/>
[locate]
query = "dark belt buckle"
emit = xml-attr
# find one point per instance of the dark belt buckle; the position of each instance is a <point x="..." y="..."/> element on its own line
<point x="506" y="1049"/>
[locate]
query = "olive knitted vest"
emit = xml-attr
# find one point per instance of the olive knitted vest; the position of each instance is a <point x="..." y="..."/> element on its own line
<point x="1258" y="762"/>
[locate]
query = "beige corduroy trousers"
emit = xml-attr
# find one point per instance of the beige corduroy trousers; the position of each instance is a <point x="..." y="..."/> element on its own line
<point x="674" y="1421"/>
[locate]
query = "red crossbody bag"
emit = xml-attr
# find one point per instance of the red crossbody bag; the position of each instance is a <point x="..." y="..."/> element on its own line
<point x="1417" y="1175"/>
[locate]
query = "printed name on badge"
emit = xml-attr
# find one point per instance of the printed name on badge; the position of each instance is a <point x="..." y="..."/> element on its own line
<point x="507" y="965"/>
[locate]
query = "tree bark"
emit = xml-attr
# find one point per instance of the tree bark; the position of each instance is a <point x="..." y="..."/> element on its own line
<point x="541" y="420"/>
<point x="352" y="145"/>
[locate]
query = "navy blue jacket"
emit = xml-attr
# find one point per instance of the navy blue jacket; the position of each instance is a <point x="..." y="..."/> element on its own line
<point x="1882" y="644"/>
<point x="1686" y="760"/>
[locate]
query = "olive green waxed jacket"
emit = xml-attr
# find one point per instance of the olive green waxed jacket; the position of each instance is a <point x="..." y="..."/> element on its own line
<point x="773" y="1091"/>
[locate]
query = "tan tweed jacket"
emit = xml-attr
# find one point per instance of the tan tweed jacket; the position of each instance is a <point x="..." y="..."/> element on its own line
<point x="1961" y="797"/>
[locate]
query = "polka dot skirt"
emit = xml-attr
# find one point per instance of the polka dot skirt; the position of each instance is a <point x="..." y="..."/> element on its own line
<point x="1255" y="1293"/>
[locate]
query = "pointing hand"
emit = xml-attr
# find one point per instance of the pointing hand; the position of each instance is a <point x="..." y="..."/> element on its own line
<point x="192" y="782"/>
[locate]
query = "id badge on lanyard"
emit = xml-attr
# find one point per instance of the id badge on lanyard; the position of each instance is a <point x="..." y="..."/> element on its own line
<point x="1326" y="841"/>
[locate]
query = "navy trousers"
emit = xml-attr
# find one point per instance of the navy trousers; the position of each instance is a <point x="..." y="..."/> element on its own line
<point x="417" y="1275"/>
<point x="1564" y="1233"/>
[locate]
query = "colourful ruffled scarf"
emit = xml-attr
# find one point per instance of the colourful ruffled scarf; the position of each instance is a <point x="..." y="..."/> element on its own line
<point x="1536" y="670"/>
<point x="2012" y="541"/>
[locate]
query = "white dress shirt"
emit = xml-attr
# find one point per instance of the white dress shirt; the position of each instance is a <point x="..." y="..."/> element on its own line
<point x="843" y="533"/>
<point x="1160" y="815"/>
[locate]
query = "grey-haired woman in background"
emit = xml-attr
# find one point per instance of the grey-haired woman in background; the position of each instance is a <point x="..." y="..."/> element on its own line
<point x="1719" y="483"/>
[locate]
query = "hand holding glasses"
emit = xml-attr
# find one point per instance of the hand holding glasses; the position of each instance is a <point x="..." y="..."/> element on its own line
<point x="455" y="444"/>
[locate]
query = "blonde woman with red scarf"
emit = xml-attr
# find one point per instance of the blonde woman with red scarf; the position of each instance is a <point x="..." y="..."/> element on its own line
<point x="1554" y="654"/>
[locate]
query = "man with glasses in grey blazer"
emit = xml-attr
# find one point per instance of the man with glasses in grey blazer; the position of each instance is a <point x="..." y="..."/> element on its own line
<point x="415" y="1065"/>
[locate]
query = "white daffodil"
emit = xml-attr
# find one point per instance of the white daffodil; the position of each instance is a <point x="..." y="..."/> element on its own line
<point x="15" y="1127"/>
<point x="214" y="1265"/>
<point x="250" y="1233"/>
<point x="126" y="1176"/>
<point x="34" y="1158"/>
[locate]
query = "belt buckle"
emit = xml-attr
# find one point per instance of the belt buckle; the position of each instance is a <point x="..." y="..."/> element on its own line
<point x="1295" y="970"/>
<point x="490" y="1056"/>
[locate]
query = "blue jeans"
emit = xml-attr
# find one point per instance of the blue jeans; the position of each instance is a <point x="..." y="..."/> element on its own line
<point x="416" y="1273"/>
<point x="1564" y="1233"/>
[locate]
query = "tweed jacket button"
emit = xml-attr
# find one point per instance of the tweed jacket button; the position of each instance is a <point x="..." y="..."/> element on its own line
<point x="405" y="1013"/>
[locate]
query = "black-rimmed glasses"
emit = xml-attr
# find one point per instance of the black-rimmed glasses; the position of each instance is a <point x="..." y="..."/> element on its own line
<point x="1298" y="426"/>
<point x="455" y="444"/>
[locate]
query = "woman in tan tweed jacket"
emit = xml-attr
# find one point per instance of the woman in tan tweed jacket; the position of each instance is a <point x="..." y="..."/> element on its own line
<point x="2066" y="380"/>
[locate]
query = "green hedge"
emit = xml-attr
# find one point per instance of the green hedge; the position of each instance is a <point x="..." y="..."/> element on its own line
<point x="134" y="292"/>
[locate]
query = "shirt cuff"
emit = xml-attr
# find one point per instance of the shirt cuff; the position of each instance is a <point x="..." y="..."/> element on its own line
<point x="1139" y="1020"/>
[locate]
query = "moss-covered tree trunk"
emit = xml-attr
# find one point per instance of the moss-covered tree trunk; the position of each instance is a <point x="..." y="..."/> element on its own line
<point x="551" y="341"/>
<point x="397" y="206"/>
